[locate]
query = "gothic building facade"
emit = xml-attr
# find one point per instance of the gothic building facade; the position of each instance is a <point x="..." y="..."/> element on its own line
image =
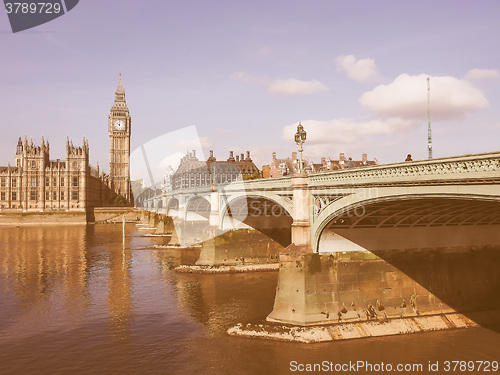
<point x="36" y="183"/>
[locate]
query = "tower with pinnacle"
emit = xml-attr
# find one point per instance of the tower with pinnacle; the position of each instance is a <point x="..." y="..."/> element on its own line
<point x="119" y="129"/>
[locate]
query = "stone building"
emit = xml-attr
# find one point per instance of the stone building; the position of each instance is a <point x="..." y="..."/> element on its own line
<point x="37" y="183"/>
<point x="193" y="172"/>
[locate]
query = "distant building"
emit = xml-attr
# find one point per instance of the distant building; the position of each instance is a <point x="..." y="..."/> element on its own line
<point x="166" y="184"/>
<point x="282" y="167"/>
<point x="288" y="166"/>
<point x="193" y="172"/>
<point x="328" y="164"/>
<point x="266" y="171"/>
<point x="37" y="183"/>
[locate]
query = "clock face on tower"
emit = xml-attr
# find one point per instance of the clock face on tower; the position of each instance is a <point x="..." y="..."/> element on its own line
<point x="119" y="125"/>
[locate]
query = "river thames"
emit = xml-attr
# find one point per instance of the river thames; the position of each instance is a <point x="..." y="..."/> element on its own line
<point x="74" y="302"/>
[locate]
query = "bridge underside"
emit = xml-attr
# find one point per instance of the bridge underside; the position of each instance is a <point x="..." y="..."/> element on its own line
<point x="198" y="209"/>
<point x="419" y="256"/>
<point x="419" y="224"/>
<point x="262" y="214"/>
<point x="425" y="212"/>
<point x="449" y="247"/>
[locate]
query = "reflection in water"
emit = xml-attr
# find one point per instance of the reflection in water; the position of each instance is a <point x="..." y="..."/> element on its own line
<point x="218" y="302"/>
<point x="73" y="301"/>
<point x="120" y="292"/>
<point x="39" y="266"/>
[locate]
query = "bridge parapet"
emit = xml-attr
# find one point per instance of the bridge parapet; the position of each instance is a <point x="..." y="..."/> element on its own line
<point x="469" y="167"/>
<point x="259" y="184"/>
<point x="267" y="183"/>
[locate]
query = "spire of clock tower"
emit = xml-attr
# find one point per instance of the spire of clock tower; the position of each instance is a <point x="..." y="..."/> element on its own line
<point x="120" y="92"/>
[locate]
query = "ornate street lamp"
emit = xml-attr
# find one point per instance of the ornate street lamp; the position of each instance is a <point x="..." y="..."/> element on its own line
<point x="300" y="138"/>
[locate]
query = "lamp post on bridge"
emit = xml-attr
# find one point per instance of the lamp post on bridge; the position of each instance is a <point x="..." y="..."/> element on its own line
<point x="301" y="227"/>
<point x="300" y="138"/>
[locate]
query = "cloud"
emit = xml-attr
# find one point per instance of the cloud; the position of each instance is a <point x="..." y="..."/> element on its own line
<point x="224" y="133"/>
<point x="292" y="86"/>
<point x="362" y="70"/>
<point x="285" y="87"/>
<point x="482" y="74"/>
<point x="248" y="78"/>
<point x="171" y="160"/>
<point x="406" y="97"/>
<point x="348" y="130"/>
<point x="206" y="143"/>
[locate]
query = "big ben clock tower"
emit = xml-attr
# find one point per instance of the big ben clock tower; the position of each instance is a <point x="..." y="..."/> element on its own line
<point x="119" y="128"/>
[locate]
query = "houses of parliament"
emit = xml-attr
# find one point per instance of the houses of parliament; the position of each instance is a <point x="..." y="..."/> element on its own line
<point x="36" y="183"/>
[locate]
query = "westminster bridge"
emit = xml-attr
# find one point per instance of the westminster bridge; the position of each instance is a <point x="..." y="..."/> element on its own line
<point x="404" y="234"/>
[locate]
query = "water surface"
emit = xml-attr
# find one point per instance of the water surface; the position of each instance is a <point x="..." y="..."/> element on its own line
<point x="74" y="302"/>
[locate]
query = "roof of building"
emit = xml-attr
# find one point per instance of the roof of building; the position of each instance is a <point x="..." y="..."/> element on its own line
<point x="191" y="164"/>
<point x="289" y="165"/>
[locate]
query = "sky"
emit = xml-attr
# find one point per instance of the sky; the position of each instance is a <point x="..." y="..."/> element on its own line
<point x="245" y="73"/>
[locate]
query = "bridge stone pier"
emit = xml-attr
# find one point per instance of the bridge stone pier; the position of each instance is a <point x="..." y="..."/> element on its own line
<point x="387" y="241"/>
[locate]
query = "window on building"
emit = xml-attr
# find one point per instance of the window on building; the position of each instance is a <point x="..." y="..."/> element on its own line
<point x="47" y="195"/>
<point x="3" y="182"/>
<point x="33" y="181"/>
<point x="2" y="196"/>
<point x="47" y="181"/>
<point x="54" y="195"/>
<point x="74" y="195"/>
<point x="14" y="182"/>
<point x="33" y="164"/>
<point x="14" y="195"/>
<point x="54" y="181"/>
<point x="75" y="181"/>
<point x="62" y="195"/>
<point x="33" y="195"/>
<point x="62" y="181"/>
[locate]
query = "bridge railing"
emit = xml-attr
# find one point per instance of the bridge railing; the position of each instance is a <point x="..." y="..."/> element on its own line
<point x="265" y="184"/>
<point x="478" y="167"/>
<point x="260" y="184"/>
<point x="469" y="167"/>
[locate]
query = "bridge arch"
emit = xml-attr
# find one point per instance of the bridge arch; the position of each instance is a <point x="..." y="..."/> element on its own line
<point x="407" y="207"/>
<point x="172" y="202"/>
<point x="285" y="203"/>
<point x="198" y="208"/>
<point x="172" y="206"/>
<point x="271" y="215"/>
